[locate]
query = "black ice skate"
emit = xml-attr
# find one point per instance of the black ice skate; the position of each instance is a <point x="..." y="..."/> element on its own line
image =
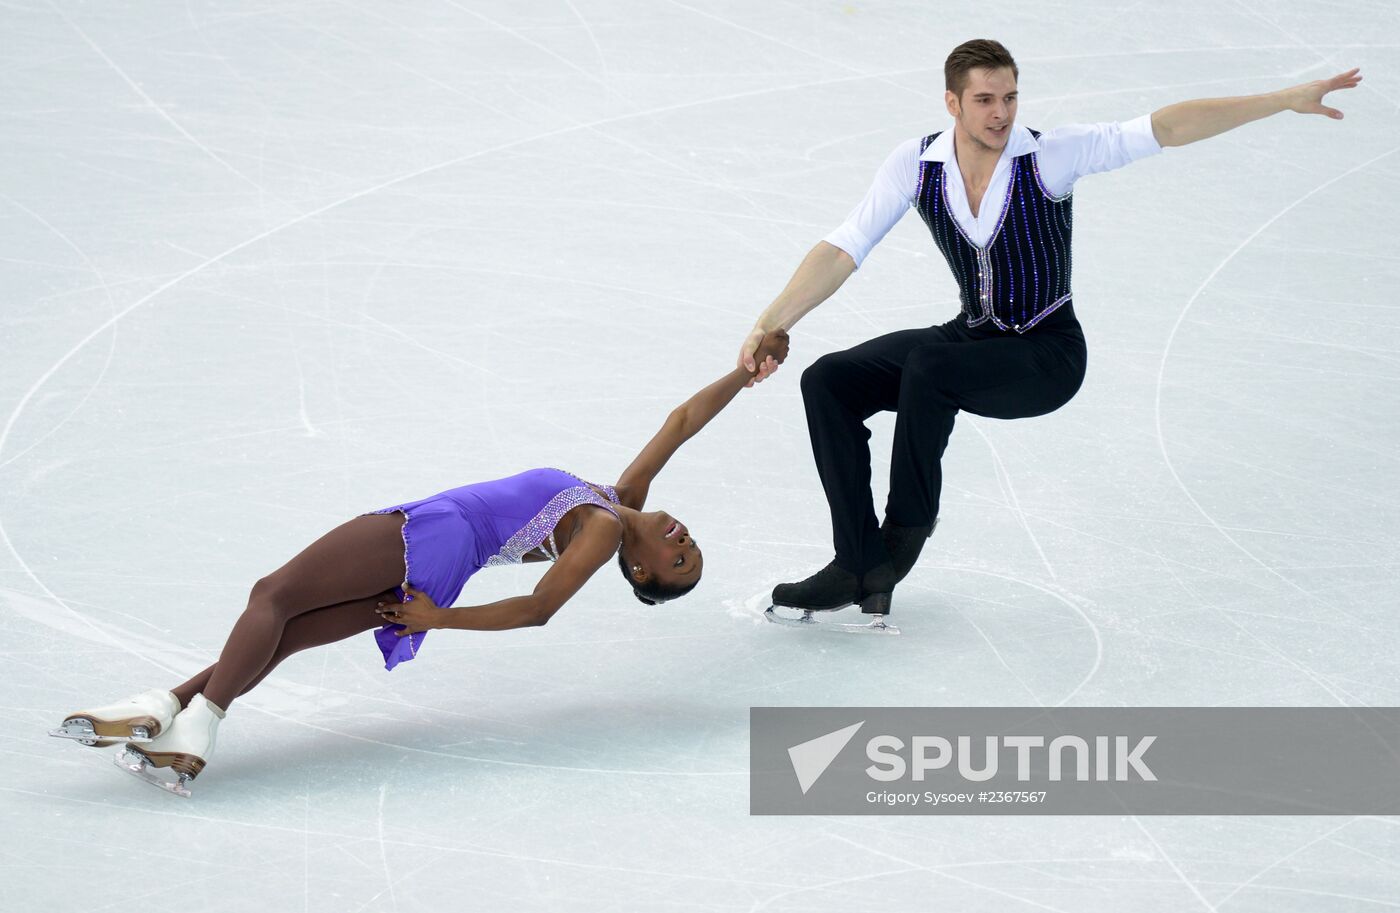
<point x="833" y="588"/>
<point x="904" y="544"/>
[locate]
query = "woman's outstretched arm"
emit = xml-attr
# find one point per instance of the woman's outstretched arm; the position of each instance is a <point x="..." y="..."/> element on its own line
<point x="686" y="420"/>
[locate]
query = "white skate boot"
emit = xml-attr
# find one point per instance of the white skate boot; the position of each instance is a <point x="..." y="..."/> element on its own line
<point x="184" y="748"/>
<point x="139" y="718"/>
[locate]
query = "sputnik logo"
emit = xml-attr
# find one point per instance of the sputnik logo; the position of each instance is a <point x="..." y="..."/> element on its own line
<point x="810" y="759"/>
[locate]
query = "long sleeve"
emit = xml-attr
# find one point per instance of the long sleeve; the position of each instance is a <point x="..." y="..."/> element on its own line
<point x="885" y="203"/>
<point x="1068" y="153"/>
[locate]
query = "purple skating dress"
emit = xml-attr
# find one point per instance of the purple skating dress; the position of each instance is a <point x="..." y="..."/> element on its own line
<point x="454" y="534"/>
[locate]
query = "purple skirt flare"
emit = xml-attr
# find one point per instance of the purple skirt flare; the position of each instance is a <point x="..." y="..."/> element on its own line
<point x="437" y="553"/>
<point x="453" y="534"/>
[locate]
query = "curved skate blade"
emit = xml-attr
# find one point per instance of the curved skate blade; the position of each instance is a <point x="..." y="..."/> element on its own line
<point x="137" y="764"/>
<point x="877" y="624"/>
<point x="86" y="731"/>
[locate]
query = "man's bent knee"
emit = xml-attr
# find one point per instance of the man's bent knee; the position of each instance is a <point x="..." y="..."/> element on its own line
<point x="823" y="375"/>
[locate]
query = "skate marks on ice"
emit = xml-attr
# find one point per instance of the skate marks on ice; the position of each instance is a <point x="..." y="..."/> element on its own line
<point x="288" y="702"/>
<point x="234" y="770"/>
<point x="1328" y="686"/>
<point x="1008" y="489"/>
<point x="68" y="624"/>
<point x="172" y="661"/>
<point x="1167" y="351"/>
<point x="1020" y="622"/>
<point x="502" y="762"/>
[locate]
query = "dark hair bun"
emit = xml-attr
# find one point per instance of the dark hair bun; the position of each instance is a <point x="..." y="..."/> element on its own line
<point x="644" y="600"/>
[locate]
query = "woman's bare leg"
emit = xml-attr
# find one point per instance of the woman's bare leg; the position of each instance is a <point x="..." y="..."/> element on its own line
<point x="353" y="562"/>
<point x="312" y="629"/>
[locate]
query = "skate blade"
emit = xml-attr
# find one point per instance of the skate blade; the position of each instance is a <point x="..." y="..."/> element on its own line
<point x="90" y="739"/>
<point x="136" y="764"/>
<point x="876" y="625"/>
<point x="81" y="729"/>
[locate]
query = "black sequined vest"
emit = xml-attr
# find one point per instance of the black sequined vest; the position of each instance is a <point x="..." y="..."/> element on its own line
<point x="1022" y="274"/>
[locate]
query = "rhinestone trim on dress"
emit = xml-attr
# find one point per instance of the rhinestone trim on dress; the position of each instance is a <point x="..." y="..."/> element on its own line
<point x="534" y="535"/>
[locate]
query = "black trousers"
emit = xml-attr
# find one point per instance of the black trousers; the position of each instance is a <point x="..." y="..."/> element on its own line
<point x="925" y="376"/>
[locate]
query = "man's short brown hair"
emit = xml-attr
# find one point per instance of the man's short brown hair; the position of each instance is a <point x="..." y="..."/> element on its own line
<point x="977" y="54"/>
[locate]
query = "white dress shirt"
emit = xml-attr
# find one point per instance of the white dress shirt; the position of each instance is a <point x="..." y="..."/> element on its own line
<point x="1065" y="154"/>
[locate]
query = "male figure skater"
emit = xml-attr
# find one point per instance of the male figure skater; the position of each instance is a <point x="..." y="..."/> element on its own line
<point x="997" y="199"/>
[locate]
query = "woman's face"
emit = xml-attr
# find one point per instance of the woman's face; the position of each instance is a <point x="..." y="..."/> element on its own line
<point x="665" y="551"/>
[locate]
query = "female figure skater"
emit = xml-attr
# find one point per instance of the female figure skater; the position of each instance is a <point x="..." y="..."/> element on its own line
<point x="401" y="563"/>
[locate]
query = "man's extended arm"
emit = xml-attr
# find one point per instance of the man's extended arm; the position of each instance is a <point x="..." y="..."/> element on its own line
<point x="818" y="277"/>
<point x="832" y="261"/>
<point x="1192" y="121"/>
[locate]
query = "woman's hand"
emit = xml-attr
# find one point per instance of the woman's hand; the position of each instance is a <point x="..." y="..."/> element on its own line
<point x="773" y="347"/>
<point x="417" y="613"/>
<point x="771" y="350"/>
<point x="759" y="363"/>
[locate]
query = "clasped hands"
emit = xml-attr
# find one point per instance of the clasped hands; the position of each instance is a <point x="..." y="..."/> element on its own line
<point x="762" y="352"/>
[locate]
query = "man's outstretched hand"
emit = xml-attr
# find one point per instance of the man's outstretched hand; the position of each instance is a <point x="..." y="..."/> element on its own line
<point x="1307" y="98"/>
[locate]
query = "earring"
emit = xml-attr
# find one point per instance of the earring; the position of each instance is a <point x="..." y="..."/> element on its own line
<point x="636" y="568"/>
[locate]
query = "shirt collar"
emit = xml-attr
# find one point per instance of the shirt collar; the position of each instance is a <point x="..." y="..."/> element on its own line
<point x="1020" y="143"/>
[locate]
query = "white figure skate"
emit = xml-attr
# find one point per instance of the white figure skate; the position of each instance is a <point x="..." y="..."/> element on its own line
<point x="139" y="718"/>
<point x="184" y="748"/>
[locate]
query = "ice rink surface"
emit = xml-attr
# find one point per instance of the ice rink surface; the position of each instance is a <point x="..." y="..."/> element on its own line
<point x="266" y="266"/>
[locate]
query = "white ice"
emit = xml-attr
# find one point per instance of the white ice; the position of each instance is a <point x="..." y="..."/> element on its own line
<point x="268" y="265"/>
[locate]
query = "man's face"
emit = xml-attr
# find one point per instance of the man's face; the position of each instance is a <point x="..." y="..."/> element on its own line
<point x="987" y="108"/>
